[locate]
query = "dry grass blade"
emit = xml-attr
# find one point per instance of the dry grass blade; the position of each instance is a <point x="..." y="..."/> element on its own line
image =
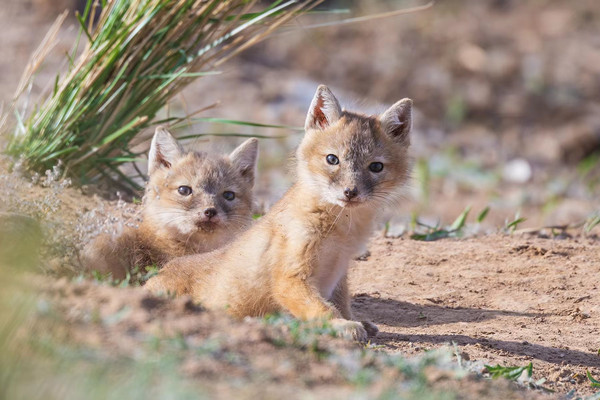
<point x="366" y="18"/>
<point x="40" y="54"/>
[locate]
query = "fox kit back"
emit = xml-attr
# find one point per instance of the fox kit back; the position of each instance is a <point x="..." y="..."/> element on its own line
<point x="194" y="202"/>
<point x="350" y="166"/>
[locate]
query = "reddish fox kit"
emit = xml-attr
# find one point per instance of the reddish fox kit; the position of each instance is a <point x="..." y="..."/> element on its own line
<point x="295" y="259"/>
<point x="194" y="202"/>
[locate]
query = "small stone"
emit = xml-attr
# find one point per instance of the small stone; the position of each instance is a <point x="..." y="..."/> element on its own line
<point x="517" y="171"/>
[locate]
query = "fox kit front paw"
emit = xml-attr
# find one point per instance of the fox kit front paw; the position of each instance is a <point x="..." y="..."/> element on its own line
<point x="371" y="328"/>
<point x="352" y="330"/>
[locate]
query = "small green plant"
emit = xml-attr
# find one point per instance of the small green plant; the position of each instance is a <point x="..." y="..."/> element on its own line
<point x="512" y="373"/>
<point x="483" y="214"/>
<point x="100" y="277"/>
<point x="591" y="222"/>
<point x="588" y="171"/>
<point x="304" y="334"/>
<point x="138" y="275"/>
<point x="135" y="277"/>
<point x="437" y="232"/>
<point x="593" y="382"/>
<point x="511" y="227"/>
<point x="301" y="329"/>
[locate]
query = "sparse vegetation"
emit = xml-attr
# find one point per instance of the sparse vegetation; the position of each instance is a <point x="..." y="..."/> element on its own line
<point x="135" y="278"/>
<point x="593" y="382"/>
<point x="512" y="373"/>
<point x="591" y="222"/>
<point x="482" y="215"/>
<point x="511" y="227"/>
<point x="437" y="232"/>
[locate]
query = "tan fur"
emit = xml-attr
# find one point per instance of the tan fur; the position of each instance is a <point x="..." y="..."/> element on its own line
<point x="174" y="225"/>
<point x="296" y="257"/>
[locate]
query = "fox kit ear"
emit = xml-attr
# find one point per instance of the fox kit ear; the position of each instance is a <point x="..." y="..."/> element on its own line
<point x="324" y="109"/>
<point x="397" y="120"/>
<point x="164" y="150"/>
<point x="244" y="158"/>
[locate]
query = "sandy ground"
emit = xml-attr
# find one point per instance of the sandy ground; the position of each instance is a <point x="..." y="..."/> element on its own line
<point x="506" y="300"/>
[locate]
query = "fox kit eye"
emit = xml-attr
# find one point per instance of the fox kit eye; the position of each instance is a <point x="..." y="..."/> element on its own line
<point x="184" y="190"/>
<point x="376" y="167"/>
<point x="229" y="196"/>
<point x="332" y="159"/>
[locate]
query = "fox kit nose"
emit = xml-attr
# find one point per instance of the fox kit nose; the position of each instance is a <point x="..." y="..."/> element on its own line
<point x="351" y="193"/>
<point x="210" y="212"/>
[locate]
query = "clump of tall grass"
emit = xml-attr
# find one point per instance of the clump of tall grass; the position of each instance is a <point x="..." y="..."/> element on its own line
<point x="138" y="56"/>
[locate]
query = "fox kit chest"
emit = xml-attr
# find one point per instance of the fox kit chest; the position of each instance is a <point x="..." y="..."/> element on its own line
<point x="335" y="252"/>
<point x="332" y="265"/>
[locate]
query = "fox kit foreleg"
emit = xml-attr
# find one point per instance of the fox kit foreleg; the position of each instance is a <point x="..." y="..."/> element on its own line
<point x="296" y="295"/>
<point x="341" y="298"/>
<point x="294" y="291"/>
<point x="341" y="301"/>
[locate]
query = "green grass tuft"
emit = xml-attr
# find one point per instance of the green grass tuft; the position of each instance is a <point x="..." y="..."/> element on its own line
<point x="140" y="54"/>
<point x="437" y="232"/>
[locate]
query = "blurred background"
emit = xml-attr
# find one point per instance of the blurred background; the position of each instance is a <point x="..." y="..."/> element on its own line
<point x="506" y="97"/>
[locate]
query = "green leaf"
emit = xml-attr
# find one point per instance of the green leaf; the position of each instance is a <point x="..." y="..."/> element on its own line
<point x="459" y="223"/>
<point x="512" y="373"/>
<point x="594" y="382"/>
<point x="513" y="225"/>
<point x="121" y="131"/>
<point x="432" y="236"/>
<point x="591" y="223"/>
<point x="83" y="27"/>
<point x="483" y="214"/>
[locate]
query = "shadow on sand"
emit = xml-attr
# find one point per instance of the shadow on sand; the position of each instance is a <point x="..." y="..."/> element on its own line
<point x="402" y="314"/>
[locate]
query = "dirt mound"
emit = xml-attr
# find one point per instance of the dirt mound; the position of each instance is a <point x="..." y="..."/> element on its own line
<point x="272" y="357"/>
